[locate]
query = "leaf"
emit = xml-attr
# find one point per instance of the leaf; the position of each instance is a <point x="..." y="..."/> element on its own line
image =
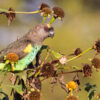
<point x="5" y="96"/>
<point x="91" y="94"/>
<point x="3" y="11"/>
<point x="89" y="87"/>
<point x="18" y="88"/>
<point x="56" y="54"/>
<point x="0" y="89"/>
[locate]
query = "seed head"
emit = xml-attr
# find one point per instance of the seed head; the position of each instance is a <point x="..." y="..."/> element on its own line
<point x="87" y="70"/>
<point x="97" y="46"/>
<point x="12" y="57"/>
<point x="48" y="70"/>
<point x="77" y="51"/>
<point x="96" y="62"/>
<point x="46" y="10"/>
<point x="58" y="12"/>
<point x="98" y="95"/>
<point x="43" y="5"/>
<point x="35" y="95"/>
<point x="72" y="98"/>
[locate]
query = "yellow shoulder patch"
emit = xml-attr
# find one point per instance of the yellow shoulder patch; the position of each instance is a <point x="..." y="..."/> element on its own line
<point x="28" y="48"/>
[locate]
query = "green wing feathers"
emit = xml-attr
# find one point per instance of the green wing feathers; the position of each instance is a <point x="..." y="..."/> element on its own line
<point x="22" y="63"/>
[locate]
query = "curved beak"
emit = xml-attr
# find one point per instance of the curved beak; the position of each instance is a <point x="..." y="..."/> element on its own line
<point x="51" y="34"/>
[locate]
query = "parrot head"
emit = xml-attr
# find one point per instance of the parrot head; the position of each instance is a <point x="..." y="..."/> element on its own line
<point x="44" y="31"/>
<point x="39" y="33"/>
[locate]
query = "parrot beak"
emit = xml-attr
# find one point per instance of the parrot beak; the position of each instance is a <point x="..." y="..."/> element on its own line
<point x="51" y="34"/>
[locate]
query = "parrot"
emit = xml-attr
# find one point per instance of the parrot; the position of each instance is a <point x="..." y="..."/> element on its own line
<point x="25" y="48"/>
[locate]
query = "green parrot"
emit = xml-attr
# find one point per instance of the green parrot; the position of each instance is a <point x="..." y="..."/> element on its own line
<point x="26" y="48"/>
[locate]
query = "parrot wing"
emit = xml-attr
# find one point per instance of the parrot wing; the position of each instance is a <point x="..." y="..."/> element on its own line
<point x="15" y="47"/>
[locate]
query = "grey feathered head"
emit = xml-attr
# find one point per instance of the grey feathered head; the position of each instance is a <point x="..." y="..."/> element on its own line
<point x="39" y="33"/>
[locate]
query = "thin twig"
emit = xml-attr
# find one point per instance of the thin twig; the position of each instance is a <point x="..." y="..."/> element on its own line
<point x="80" y="54"/>
<point x="69" y="72"/>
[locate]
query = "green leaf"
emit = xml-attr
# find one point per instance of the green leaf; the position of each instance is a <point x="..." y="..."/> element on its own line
<point x="18" y="88"/>
<point x="89" y="87"/>
<point x="5" y="96"/>
<point x="0" y="89"/>
<point x="56" y="54"/>
<point x="4" y="10"/>
<point x="91" y="94"/>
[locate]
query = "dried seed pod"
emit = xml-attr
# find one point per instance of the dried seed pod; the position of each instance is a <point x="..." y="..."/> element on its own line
<point x="35" y="95"/>
<point x="43" y="5"/>
<point x="10" y="15"/>
<point x="12" y="57"/>
<point x="35" y="83"/>
<point x="97" y="46"/>
<point x="77" y="51"/>
<point x="46" y="11"/>
<point x="58" y="12"/>
<point x="96" y="63"/>
<point x="87" y="70"/>
<point x="48" y="70"/>
<point x="72" y="98"/>
<point x="98" y="95"/>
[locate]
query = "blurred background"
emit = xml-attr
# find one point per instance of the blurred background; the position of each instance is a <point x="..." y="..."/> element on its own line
<point x="80" y="28"/>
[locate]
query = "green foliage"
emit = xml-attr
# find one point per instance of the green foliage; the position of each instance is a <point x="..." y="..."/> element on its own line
<point x="56" y="54"/>
<point x="90" y="89"/>
<point x="18" y="88"/>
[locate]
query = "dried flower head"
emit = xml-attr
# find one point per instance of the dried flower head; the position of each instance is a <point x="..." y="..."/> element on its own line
<point x="12" y="57"/>
<point x="72" y="98"/>
<point x="48" y="70"/>
<point x="35" y="95"/>
<point x="96" y="62"/>
<point x="87" y="70"/>
<point x="58" y="12"/>
<point x="98" y="96"/>
<point x="10" y="15"/>
<point x="71" y="85"/>
<point x="97" y="46"/>
<point x="43" y="5"/>
<point x="35" y="83"/>
<point x="77" y="51"/>
<point x="46" y="11"/>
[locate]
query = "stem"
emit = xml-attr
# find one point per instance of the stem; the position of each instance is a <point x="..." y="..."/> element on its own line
<point x="4" y="76"/>
<point x="52" y="20"/>
<point x="33" y="12"/>
<point x="80" y="54"/>
<point x="62" y="74"/>
<point x="4" y="10"/>
<point x="19" y="12"/>
<point x="42" y="64"/>
<point x="69" y="72"/>
<point x="44" y="18"/>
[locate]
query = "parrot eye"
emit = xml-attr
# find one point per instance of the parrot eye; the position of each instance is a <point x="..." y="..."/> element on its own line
<point x="48" y="29"/>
